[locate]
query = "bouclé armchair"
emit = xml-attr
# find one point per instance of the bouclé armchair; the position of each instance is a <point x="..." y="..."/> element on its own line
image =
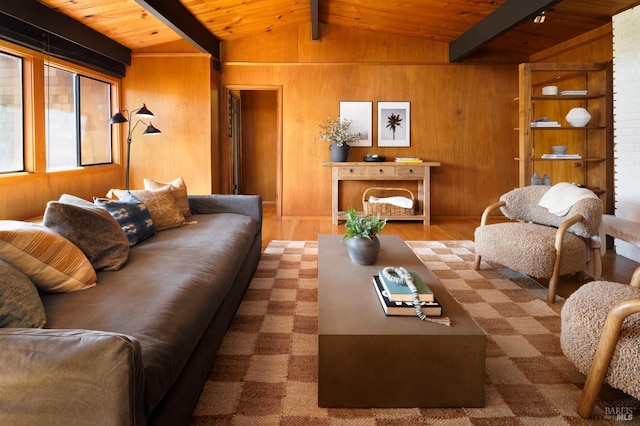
<point x="539" y="243"/>
<point x="600" y="334"/>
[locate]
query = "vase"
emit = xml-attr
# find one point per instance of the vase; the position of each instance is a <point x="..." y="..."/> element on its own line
<point x="578" y="117"/>
<point x="536" y="179"/>
<point x="339" y="153"/>
<point x="362" y="250"/>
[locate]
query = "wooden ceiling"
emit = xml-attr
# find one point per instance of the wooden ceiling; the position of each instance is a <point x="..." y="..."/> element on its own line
<point x="128" y="23"/>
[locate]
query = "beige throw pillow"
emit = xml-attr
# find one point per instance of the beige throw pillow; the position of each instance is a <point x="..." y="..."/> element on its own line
<point x="161" y="204"/>
<point x="51" y="262"/>
<point x="179" y="190"/>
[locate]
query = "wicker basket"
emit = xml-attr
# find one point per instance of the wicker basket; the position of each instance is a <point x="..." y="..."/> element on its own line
<point x="384" y="209"/>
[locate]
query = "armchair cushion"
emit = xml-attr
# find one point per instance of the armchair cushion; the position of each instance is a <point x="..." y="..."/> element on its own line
<point x="533" y="252"/>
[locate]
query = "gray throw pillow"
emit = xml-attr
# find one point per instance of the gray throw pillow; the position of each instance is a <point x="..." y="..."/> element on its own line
<point x="20" y="304"/>
<point x="91" y="228"/>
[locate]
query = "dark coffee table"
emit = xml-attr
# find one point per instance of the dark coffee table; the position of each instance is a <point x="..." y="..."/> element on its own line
<point x="367" y="359"/>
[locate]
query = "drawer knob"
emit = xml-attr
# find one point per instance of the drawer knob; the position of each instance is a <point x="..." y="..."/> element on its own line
<point x="350" y="170"/>
<point x="381" y="171"/>
<point x="410" y="170"/>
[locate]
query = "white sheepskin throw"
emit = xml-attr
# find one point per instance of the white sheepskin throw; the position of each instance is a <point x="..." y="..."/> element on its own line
<point x="582" y="319"/>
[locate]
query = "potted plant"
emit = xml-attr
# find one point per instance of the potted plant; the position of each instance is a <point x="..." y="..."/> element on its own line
<point x="337" y="132"/>
<point x="362" y="243"/>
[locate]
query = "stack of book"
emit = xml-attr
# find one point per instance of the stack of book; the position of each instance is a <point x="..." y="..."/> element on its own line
<point x="562" y="156"/>
<point x="545" y="124"/>
<point x="396" y="299"/>
<point x="574" y="92"/>
<point x="408" y="160"/>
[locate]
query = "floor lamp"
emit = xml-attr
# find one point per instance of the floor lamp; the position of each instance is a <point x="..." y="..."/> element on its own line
<point x="142" y="112"/>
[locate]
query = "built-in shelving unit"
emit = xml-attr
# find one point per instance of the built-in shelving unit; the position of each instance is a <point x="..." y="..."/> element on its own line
<point x="593" y="142"/>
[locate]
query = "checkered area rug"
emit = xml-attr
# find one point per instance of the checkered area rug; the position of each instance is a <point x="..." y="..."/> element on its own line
<point x="265" y="372"/>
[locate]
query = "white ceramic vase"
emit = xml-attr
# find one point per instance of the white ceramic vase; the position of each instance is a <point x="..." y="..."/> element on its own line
<point x="578" y="117"/>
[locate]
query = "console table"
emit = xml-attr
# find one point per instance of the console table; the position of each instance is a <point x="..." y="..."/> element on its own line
<point x="373" y="171"/>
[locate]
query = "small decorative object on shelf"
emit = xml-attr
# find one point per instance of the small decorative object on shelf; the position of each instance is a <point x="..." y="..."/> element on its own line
<point x="363" y="245"/>
<point x="546" y="180"/>
<point x="374" y="158"/>
<point x="536" y="179"/>
<point x="578" y="117"/>
<point x="559" y="149"/>
<point x="336" y="132"/>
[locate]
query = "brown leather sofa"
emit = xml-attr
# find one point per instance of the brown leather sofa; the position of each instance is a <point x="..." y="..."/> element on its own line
<point x="137" y="348"/>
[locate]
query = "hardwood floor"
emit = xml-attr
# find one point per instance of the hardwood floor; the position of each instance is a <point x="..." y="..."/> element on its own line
<point x="614" y="267"/>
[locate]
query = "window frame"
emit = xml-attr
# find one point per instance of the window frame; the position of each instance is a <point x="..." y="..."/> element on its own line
<point x="34" y="122"/>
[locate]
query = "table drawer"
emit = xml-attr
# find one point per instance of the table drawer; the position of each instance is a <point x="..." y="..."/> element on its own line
<point x="352" y="172"/>
<point x="381" y="171"/>
<point x="410" y="171"/>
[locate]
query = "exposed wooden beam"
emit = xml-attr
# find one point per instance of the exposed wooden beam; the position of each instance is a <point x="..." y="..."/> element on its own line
<point x="506" y="17"/>
<point x="53" y="22"/>
<point x="315" y="20"/>
<point x="177" y="17"/>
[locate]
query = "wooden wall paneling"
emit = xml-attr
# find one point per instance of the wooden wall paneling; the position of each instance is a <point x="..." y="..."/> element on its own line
<point x="177" y="89"/>
<point x="594" y="46"/>
<point x="450" y="123"/>
<point x="462" y="115"/>
<point x="25" y="197"/>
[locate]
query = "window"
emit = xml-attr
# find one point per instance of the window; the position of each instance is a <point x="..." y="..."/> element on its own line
<point x="77" y="114"/>
<point x="11" y="115"/>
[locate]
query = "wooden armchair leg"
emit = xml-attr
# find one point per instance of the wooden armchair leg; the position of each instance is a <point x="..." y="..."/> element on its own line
<point x="553" y="287"/>
<point x="476" y="264"/>
<point x="588" y="398"/>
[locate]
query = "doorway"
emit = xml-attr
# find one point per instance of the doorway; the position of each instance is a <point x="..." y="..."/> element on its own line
<point x="255" y="142"/>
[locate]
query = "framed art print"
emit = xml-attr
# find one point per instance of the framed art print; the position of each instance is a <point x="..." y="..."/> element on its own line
<point x="394" y="124"/>
<point x="360" y="114"/>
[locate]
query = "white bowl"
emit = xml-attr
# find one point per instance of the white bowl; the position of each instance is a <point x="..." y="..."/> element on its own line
<point x="550" y="90"/>
<point x="559" y="149"/>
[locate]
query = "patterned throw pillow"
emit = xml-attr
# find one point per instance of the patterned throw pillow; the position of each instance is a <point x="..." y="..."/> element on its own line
<point x="20" y="304"/>
<point x="91" y="228"/>
<point x="52" y="262"/>
<point x="179" y="190"/>
<point x="132" y="215"/>
<point x="161" y="204"/>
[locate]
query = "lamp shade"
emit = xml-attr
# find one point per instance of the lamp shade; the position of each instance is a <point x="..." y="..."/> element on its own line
<point x="144" y="112"/>
<point x="117" y="118"/>
<point x="150" y="130"/>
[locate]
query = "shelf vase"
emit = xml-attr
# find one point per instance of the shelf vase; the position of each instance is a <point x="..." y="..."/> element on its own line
<point x="578" y="117"/>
